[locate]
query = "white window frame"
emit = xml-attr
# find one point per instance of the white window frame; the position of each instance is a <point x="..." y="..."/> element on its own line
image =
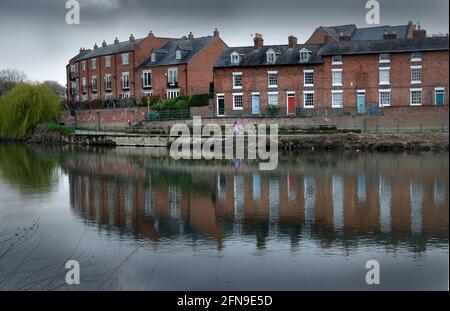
<point x="237" y="87"/>
<point x="153" y="57"/>
<point x="178" y="54"/>
<point x="175" y="76"/>
<point x="271" y="54"/>
<point x="439" y="89"/>
<point x="332" y="76"/>
<point x="379" y="97"/>
<point x="84" y="84"/>
<point x="268" y="79"/>
<point x="148" y="73"/>
<point x="94" y="84"/>
<point x="93" y="63"/>
<point x="107" y="61"/>
<point x="304" y="78"/>
<point x="125" y="74"/>
<point x="269" y="94"/>
<point x="334" y="62"/>
<point x="108" y="77"/>
<point x="389" y="75"/>
<point x="218" y="96"/>
<point x="411" y="91"/>
<point x="125" y="95"/>
<point x="172" y="93"/>
<point x="125" y="58"/>
<point x="415" y="59"/>
<point x="235" y="58"/>
<point x="147" y="93"/>
<point x="83" y="65"/>
<point x="412" y="70"/>
<point x="306" y="52"/>
<point x="384" y="61"/>
<point x="304" y="99"/>
<point x="234" y="101"/>
<point x="333" y="104"/>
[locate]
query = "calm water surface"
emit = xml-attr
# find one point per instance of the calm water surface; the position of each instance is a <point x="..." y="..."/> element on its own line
<point x="136" y="220"/>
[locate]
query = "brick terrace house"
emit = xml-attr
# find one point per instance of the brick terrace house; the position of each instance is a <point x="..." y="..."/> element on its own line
<point x="168" y="67"/>
<point x="108" y="71"/>
<point x="180" y="67"/>
<point x="356" y="69"/>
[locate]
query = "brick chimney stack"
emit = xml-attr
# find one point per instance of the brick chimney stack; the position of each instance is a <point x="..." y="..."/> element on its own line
<point x="95" y="46"/>
<point x="418" y="32"/>
<point x="104" y="43"/>
<point x="258" y="40"/>
<point x="190" y="36"/>
<point x="131" y="37"/>
<point x="82" y="50"/>
<point x="216" y="33"/>
<point x="116" y="41"/>
<point x="292" y="41"/>
<point x="150" y="34"/>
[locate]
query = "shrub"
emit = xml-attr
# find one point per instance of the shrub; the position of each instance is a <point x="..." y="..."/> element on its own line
<point x="199" y="100"/>
<point x="63" y="129"/>
<point x="24" y="107"/>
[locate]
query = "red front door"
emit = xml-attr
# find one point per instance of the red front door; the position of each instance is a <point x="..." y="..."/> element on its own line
<point x="291" y="104"/>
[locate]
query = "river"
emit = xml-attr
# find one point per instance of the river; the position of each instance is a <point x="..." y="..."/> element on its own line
<point x="136" y="220"/>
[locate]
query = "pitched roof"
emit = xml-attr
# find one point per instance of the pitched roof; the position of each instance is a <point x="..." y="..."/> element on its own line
<point x="335" y="31"/>
<point x="167" y="53"/>
<point x="386" y="46"/>
<point x="368" y="33"/>
<point x="120" y="47"/>
<point x="377" y="33"/>
<point x="251" y="56"/>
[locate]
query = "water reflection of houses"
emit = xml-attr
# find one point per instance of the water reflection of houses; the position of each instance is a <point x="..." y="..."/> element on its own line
<point x="371" y="198"/>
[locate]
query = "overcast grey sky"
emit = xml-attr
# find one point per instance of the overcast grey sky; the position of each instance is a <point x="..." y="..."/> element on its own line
<point x="35" y="38"/>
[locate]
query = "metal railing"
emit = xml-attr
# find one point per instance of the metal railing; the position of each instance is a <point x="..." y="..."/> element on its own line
<point x="164" y="115"/>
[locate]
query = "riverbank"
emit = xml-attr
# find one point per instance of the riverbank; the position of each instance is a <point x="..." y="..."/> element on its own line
<point x="291" y="142"/>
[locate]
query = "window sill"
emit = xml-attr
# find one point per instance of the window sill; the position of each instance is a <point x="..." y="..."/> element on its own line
<point x="308" y="107"/>
<point x="339" y="85"/>
<point x="337" y="107"/>
<point x="416" y="82"/>
<point x="415" y="105"/>
<point x="237" y="87"/>
<point x="308" y="85"/>
<point x="273" y="86"/>
<point x="385" y="83"/>
<point x="238" y="108"/>
<point x="337" y="64"/>
<point x="416" y="60"/>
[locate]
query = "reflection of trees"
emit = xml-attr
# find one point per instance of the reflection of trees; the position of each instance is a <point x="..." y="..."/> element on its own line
<point x="26" y="169"/>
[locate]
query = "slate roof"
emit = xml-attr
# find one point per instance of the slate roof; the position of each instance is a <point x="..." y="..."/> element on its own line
<point x="386" y="46"/>
<point x="376" y="33"/>
<point x="368" y="33"/>
<point x="166" y="54"/>
<point x="250" y="56"/>
<point x="120" y="47"/>
<point x="334" y="31"/>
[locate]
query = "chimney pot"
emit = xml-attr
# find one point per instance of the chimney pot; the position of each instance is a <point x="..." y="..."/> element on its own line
<point x="116" y="41"/>
<point x="95" y="46"/>
<point x="258" y="40"/>
<point x="131" y="37"/>
<point x="104" y="43"/>
<point x="150" y="33"/>
<point x="216" y="33"/>
<point x="190" y="36"/>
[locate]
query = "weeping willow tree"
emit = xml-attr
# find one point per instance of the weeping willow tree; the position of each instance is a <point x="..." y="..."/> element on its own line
<point x="24" y="107"/>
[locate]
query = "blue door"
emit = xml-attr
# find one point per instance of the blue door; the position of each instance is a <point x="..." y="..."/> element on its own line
<point x="255" y="104"/>
<point x="361" y="101"/>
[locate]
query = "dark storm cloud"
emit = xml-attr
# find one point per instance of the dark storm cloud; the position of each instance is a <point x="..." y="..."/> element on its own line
<point x="34" y="36"/>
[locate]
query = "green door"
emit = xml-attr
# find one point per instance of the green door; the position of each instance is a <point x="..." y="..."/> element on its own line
<point x="439" y="97"/>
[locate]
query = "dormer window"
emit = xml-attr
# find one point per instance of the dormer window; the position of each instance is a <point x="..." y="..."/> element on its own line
<point x="235" y="58"/>
<point x="178" y="54"/>
<point x="305" y="55"/>
<point x="153" y="57"/>
<point x="270" y="56"/>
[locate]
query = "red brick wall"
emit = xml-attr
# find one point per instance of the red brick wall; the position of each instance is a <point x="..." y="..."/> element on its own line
<point x="360" y="72"/>
<point x="200" y="70"/>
